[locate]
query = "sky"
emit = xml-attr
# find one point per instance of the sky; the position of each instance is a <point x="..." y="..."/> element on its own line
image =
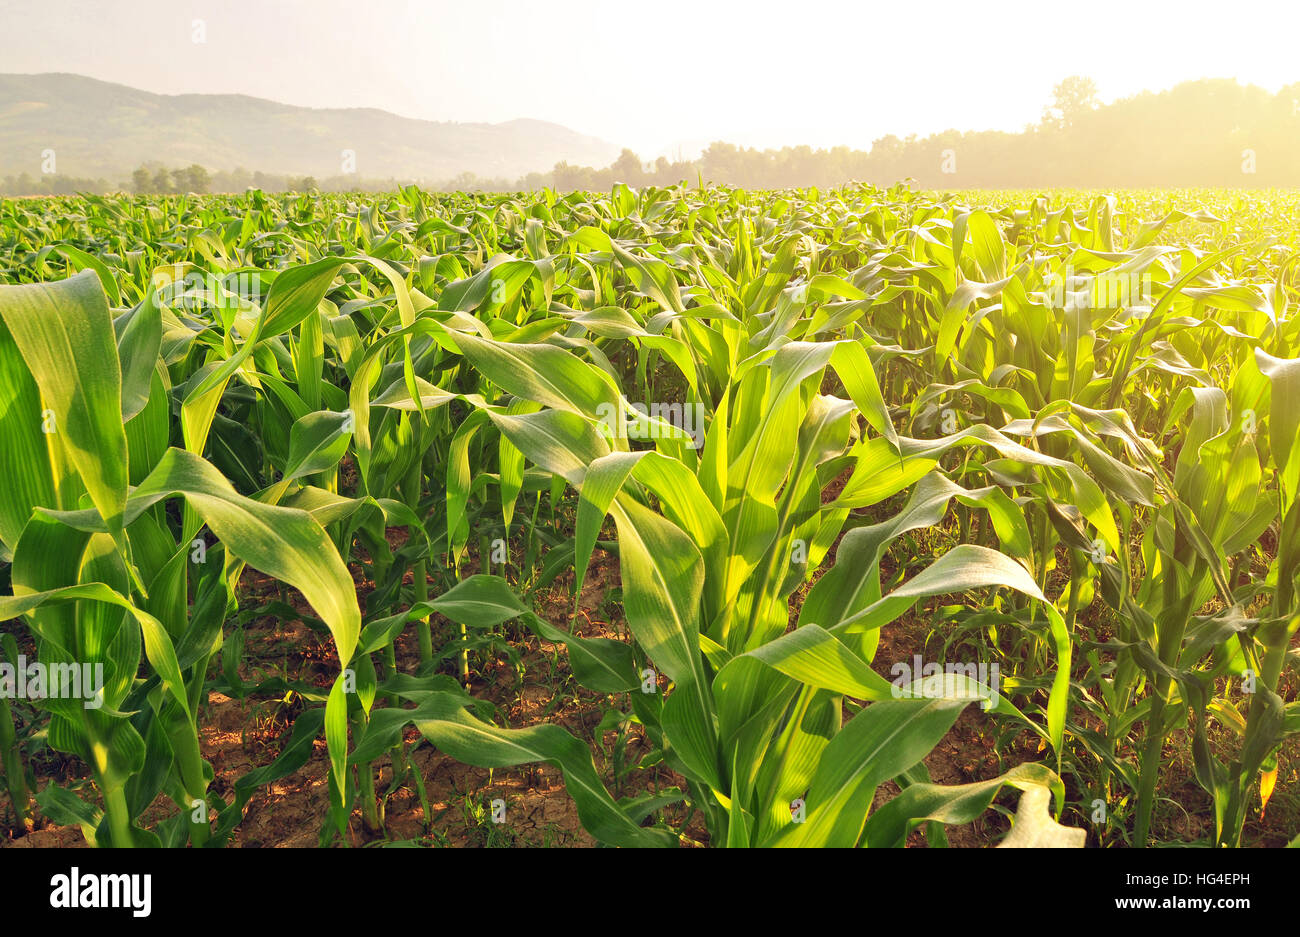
<point x="661" y="76"/>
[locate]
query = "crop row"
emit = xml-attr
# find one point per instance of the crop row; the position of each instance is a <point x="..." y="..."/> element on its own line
<point x="765" y="404"/>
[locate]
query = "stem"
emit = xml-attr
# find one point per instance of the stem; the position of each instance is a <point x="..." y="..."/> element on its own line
<point x="200" y="683"/>
<point x="1170" y="644"/>
<point x="423" y="631"/>
<point x="119" y="815"/>
<point x="200" y="831"/>
<point x="1149" y="769"/>
<point x="1278" y="637"/>
<point x="13" y="765"/>
<point x="370" y="812"/>
<point x="398" y="751"/>
<point x="412" y="486"/>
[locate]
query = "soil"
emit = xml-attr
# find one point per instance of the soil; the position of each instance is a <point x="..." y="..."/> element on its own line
<point x="239" y="735"/>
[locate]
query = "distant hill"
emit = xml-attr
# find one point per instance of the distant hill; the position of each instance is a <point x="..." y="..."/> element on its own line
<point x="1210" y="132"/>
<point x="100" y="129"/>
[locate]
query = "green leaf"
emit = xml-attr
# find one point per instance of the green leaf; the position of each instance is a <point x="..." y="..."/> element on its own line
<point x="285" y="543"/>
<point x="317" y="442"/>
<point x="65" y="335"/>
<point x="882" y="741"/>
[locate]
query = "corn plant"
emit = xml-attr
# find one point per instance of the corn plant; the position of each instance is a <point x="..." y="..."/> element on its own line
<point x="1060" y="429"/>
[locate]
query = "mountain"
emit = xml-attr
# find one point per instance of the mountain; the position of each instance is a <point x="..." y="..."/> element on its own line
<point x="100" y="129"/>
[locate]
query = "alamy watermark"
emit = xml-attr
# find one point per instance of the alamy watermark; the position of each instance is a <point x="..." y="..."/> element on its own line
<point x="930" y="680"/>
<point x="78" y="889"/>
<point x="242" y="287"/>
<point x="1106" y="290"/>
<point x="687" y="418"/>
<point x="37" y="681"/>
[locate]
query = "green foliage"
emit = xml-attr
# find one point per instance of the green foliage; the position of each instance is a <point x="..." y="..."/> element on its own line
<point x="1063" y="431"/>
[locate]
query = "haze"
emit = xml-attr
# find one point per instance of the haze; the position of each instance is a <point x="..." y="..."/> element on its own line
<point x="661" y="77"/>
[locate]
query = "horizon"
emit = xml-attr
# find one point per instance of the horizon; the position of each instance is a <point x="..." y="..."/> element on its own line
<point x="702" y="145"/>
<point x="253" y="97"/>
<point x="506" y="61"/>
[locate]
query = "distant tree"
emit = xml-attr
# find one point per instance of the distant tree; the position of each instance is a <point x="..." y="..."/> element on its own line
<point x="197" y="178"/>
<point x="162" y="181"/>
<point x="570" y="178"/>
<point x="627" y="168"/>
<point x="1071" y="98"/>
<point x="725" y="162"/>
<point x="462" y="182"/>
<point x="240" y="179"/>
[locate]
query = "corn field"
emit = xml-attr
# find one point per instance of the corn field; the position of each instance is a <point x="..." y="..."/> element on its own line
<point x="730" y="509"/>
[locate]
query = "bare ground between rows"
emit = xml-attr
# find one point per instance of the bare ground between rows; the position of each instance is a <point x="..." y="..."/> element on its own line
<point x="239" y="735"/>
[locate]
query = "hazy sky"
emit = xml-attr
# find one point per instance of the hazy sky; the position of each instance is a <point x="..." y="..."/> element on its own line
<point x="657" y="74"/>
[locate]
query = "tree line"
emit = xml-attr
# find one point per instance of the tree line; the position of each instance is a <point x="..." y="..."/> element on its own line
<point x="1214" y="132"/>
<point x="1203" y="133"/>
